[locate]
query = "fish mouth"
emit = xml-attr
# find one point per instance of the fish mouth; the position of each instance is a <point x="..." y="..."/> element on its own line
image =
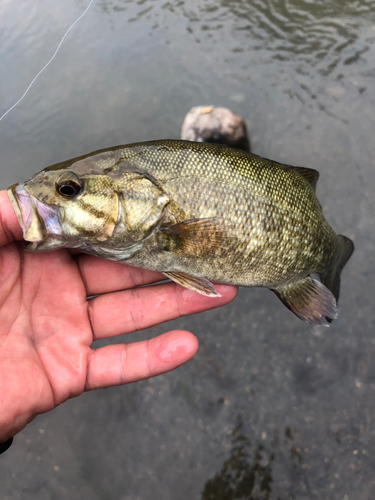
<point x="37" y="219"/>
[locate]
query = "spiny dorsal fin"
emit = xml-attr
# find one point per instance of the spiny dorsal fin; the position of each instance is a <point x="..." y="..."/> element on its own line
<point x="199" y="285"/>
<point x="310" y="300"/>
<point x="309" y="174"/>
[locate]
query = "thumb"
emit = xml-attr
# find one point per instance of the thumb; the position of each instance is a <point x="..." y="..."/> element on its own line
<point x="10" y="229"/>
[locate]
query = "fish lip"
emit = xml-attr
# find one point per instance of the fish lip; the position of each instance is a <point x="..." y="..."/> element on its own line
<point x="37" y="220"/>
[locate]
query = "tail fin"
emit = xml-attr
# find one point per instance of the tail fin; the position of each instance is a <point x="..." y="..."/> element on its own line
<point x="331" y="276"/>
<point x="315" y="302"/>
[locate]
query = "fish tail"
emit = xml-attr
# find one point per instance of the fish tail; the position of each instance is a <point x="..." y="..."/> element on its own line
<point x="313" y="301"/>
<point x="330" y="277"/>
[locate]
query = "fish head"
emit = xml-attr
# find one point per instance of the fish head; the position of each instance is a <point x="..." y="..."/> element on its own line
<point x="59" y="208"/>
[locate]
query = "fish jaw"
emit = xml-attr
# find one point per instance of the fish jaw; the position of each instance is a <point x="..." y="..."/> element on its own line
<point x="38" y="221"/>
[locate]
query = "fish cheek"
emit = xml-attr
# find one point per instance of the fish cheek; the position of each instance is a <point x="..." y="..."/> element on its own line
<point x="112" y="211"/>
<point x="83" y="219"/>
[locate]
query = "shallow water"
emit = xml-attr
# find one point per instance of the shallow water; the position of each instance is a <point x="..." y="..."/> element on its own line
<point x="270" y="408"/>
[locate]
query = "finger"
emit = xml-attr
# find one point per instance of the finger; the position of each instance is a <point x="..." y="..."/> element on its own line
<point x="10" y="230"/>
<point x="102" y="276"/>
<point x="121" y="364"/>
<point x="130" y="310"/>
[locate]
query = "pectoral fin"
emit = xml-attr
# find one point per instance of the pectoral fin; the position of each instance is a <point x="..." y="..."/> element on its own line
<point x="199" y="285"/>
<point x="194" y="237"/>
<point x="310" y="300"/>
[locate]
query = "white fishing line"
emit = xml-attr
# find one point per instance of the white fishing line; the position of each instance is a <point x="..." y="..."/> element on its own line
<point x="49" y="62"/>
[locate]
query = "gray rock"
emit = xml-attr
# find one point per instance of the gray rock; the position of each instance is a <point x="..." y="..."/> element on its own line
<point x="218" y="125"/>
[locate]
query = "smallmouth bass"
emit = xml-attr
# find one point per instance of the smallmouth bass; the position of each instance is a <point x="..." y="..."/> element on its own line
<point x="196" y="212"/>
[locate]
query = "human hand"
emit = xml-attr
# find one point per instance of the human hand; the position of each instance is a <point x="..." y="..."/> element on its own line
<point x="47" y="325"/>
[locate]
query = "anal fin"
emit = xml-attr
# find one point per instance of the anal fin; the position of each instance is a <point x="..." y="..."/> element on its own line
<point x="199" y="285"/>
<point x="310" y="300"/>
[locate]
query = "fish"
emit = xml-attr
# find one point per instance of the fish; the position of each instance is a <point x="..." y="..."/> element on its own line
<point x="198" y="213"/>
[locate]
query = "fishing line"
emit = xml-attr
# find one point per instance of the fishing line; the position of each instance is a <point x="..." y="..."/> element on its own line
<point x="49" y="62"/>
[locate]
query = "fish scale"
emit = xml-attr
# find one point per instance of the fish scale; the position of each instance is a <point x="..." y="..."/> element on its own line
<point x="199" y="213"/>
<point x="250" y="205"/>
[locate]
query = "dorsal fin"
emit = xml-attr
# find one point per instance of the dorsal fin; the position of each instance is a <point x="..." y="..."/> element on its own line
<point x="309" y="174"/>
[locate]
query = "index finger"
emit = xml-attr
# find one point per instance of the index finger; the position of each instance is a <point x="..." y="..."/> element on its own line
<point x="102" y="276"/>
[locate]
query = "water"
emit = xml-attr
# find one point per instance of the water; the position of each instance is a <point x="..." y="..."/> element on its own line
<point x="270" y="408"/>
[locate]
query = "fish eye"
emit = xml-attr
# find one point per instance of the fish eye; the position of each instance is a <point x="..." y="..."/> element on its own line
<point x="68" y="185"/>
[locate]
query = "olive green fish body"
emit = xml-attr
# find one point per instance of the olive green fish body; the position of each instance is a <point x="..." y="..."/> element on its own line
<point x="274" y="230"/>
<point x="196" y="212"/>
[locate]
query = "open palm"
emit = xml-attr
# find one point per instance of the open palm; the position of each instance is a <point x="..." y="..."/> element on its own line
<point x="47" y="325"/>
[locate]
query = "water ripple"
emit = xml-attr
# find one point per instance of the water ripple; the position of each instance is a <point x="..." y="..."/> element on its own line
<point x="309" y="40"/>
<point x="318" y="31"/>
